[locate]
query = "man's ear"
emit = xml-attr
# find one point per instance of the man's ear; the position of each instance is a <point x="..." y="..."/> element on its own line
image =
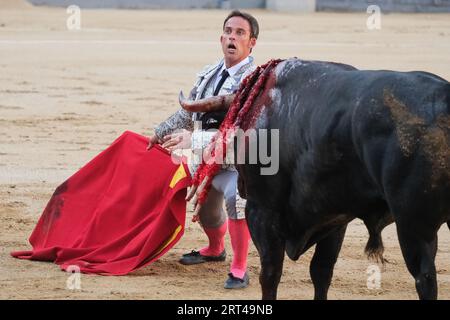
<point x="252" y="42"/>
<point x="221" y="38"/>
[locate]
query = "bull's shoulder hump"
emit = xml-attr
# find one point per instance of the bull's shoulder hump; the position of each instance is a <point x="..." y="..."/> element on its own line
<point x="294" y="66"/>
<point x="334" y="65"/>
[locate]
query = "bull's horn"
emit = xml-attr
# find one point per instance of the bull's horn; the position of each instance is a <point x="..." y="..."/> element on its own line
<point x="206" y="105"/>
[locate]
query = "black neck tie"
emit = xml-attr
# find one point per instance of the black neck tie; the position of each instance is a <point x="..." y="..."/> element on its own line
<point x="225" y="75"/>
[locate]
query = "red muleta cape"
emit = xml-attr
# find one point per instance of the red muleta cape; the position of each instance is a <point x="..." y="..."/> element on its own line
<point x="120" y="212"/>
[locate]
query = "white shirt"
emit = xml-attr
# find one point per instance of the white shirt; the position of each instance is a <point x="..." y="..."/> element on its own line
<point x="231" y="71"/>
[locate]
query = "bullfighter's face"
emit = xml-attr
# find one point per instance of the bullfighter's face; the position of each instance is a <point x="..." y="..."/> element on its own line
<point x="236" y="41"/>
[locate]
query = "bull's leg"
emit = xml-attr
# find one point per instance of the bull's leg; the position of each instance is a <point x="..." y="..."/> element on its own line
<point x="270" y="246"/>
<point x="323" y="261"/>
<point x="419" y="255"/>
<point x="272" y="257"/>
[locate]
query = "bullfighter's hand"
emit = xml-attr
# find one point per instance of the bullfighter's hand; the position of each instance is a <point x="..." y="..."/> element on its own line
<point x="153" y="140"/>
<point x="178" y="140"/>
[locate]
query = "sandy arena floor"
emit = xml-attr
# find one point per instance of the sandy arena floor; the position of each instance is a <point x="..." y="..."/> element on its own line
<point x="64" y="96"/>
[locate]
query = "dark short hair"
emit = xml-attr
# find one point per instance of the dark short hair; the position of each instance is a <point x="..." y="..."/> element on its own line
<point x="254" y="27"/>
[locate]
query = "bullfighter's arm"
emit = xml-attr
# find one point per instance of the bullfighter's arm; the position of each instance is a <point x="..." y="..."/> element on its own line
<point x="181" y="119"/>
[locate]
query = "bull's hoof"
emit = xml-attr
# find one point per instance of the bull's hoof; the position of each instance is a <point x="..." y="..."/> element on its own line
<point x="236" y="283"/>
<point x="195" y="257"/>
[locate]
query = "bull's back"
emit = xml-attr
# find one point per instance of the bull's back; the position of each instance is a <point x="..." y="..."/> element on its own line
<point x="385" y="132"/>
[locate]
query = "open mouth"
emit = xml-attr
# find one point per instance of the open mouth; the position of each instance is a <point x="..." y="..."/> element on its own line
<point x="231" y="48"/>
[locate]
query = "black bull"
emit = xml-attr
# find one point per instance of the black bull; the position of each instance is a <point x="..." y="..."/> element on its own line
<point x="373" y="145"/>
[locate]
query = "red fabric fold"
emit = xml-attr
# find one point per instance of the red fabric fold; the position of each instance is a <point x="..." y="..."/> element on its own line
<point x="121" y="211"/>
